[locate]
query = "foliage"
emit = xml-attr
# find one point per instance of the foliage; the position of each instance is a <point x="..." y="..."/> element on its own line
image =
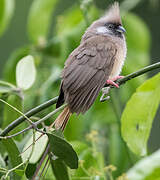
<point x="148" y="97"/>
<point x="32" y="75"/>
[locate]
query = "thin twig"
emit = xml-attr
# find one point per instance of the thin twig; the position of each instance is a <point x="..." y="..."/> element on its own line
<point x="10" y="170"/>
<point x="138" y="73"/>
<point x="17" y="111"/>
<point x="28" y="114"/>
<point x="40" y="163"/>
<point x="54" y="100"/>
<point x="32" y="144"/>
<point x="16" y="134"/>
<point x="50" y="114"/>
<point x="36" y="123"/>
<point x="45" y="167"/>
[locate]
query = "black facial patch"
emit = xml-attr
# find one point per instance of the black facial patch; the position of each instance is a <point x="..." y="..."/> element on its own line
<point x="113" y="28"/>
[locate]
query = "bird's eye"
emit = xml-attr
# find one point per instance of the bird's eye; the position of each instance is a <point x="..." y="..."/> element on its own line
<point x="110" y="26"/>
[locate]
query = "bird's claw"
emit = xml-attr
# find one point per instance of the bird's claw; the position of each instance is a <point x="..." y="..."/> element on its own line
<point x="111" y="81"/>
<point x="105" y="91"/>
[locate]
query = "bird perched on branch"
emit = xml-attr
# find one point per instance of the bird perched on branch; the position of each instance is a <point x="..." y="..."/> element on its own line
<point x="96" y="61"/>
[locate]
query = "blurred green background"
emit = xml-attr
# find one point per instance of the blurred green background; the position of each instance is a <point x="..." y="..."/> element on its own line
<point x="60" y="34"/>
<point x="16" y="33"/>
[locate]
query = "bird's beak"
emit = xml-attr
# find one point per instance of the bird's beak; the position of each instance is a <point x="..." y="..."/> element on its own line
<point x="121" y="29"/>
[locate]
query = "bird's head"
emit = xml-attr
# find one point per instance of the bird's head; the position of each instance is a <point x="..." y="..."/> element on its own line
<point x="110" y="23"/>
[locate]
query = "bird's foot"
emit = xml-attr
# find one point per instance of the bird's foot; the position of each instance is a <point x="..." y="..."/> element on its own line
<point x="111" y="81"/>
<point x="117" y="77"/>
<point x="104" y="96"/>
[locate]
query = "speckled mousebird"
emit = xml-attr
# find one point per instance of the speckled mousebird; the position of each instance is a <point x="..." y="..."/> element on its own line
<point x="96" y="61"/>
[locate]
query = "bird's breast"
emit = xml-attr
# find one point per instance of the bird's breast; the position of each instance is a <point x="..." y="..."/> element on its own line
<point x="119" y="60"/>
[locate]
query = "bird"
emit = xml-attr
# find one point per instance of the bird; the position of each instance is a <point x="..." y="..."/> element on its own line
<point x="97" y="61"/>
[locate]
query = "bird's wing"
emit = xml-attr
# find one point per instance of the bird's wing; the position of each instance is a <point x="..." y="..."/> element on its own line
<point x="85" y="73"/>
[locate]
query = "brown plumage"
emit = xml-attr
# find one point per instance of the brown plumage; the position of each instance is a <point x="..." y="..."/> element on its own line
<point x="99" y="57"/>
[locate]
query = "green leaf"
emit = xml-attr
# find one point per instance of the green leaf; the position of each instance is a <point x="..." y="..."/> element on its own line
<point x="39" y="147"/>
<point x="10" y="66"/>
<point x="6" y="12"/>
<point x="63" y="150"/>
<point x="59" y="169"/>
<point x="13" y="153"/>
<point x="25" y="72"/>
<point x="146" y="169"/>
<point x="39" y="19"/>
<point x="139" y="113"/>
<point x="20" y="172"/>
<point x="29" y="172"/>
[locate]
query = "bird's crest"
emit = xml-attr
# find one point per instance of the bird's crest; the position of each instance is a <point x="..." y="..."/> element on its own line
<point x="113" y="14"/>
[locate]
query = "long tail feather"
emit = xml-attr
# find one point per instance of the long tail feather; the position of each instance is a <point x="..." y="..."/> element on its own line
<point x="62" y="119"/>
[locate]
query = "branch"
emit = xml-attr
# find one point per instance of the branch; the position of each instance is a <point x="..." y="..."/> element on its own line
<point x="40" y="163"/>
<point x="28" y="114"/>
<point x="138" y="73"/>
<point x="54" y="100"/>
<point x="35" y="124"/>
